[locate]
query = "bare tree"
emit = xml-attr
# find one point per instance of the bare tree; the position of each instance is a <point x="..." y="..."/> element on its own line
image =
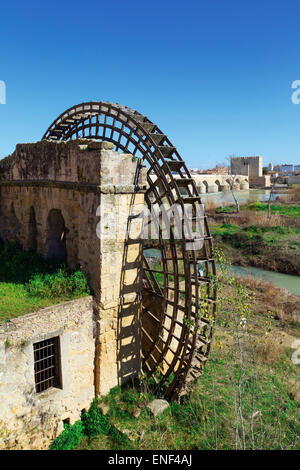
<point x="270" y="196"/>
<point x="232" y="183"/>
<point x="232" y="188"/>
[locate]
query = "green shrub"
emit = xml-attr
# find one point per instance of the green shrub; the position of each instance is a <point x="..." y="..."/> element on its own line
<point x="94" y="421"/>
<point x="281" y="209"/>
<point x="69" y="438"/>
<point x="42" y="277"/>
<point x="28" y="282"/>
<point x="61" y="283"/>
<point x="119" y="438"/>
<point x="225" y="210"/>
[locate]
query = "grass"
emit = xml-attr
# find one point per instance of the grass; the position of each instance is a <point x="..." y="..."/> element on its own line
<point x="251" y="238"/>
<point x="263" y="389"/>
<point x="28" y="282"/>
<point x="249" y="374"/>
<point x="281" y="209"/>
<point x="293" y="194"/>
<point x="206" y="418"/>
<point x="241" y="235"/>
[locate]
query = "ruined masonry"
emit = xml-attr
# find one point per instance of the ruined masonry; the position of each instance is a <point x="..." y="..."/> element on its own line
<point x="47" y="182"/>
<point x="57" y="196"/>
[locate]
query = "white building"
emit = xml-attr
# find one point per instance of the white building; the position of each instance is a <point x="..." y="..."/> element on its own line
<point x="286" y="168"/>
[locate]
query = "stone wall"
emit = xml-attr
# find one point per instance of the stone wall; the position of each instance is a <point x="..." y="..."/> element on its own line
<point x="251" y="167"/>
<point x="248" y="166"/>
<point x="293" y="179"/>
<point x="261" y="181"/>
<point x="73" y="178"/>
<point x="78" y="208"/>
<point x="119" y="343"/>
<point x="98" y="194"/>
<point x="29" y="420"/>
<point x="61" y="176"/>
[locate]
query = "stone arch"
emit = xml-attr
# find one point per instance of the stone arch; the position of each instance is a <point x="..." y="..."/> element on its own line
<point x="201" y="188"/>
<point x="217" y="182"/>
<point x="56" y="236"/>
<point x="10" y="226"/>
<point x="32" y="230"/>
<point x="12" y="210"/>
<point x="206" y="185"/>
<point x="244" y="184"/>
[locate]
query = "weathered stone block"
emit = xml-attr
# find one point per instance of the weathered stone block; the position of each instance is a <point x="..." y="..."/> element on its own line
<point x="158" y="406"/>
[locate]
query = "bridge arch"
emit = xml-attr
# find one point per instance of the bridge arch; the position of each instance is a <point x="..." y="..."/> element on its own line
<point x="218" y="184"/>
<point x="205" y="183"/>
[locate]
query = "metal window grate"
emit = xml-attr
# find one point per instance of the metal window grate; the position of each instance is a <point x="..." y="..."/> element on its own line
<point x="46" y="364"/>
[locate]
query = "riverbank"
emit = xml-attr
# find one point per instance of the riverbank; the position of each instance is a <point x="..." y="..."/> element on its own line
<point x="247" y="398"/>
<point x="252" y="238"/>
<point x="288" y="282"/>
<point x="225" y="198"/>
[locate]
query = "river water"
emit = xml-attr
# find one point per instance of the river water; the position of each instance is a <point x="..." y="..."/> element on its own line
<point x="225" y="197"/>
<point x="286" y="281"/>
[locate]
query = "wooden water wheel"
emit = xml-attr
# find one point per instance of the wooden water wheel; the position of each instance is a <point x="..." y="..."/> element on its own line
<point x="179" y="295"/>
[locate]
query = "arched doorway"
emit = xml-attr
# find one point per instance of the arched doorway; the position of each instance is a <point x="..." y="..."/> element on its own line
<point x="56" y="236"/>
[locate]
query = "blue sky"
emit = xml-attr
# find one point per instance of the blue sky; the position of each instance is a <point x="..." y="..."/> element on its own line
<point x="215" y="75"/>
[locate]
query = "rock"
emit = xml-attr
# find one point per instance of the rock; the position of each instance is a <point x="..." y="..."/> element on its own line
<point x="157" y="406"/>
<point x="296" y="354"/>
<point x="107" y="145"/>
<point x="94" y="145"/>
<point x="104" y="408"/>
<point x="137" y="413"/>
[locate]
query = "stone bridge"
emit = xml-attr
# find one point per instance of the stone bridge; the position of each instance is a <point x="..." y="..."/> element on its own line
<point x="215" y="183"/>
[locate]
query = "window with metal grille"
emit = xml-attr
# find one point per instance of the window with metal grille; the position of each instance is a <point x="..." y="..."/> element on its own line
<point x="47" y="364"/>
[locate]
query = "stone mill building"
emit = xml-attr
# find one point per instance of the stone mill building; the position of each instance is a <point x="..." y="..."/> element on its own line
<point x="56" y="195"/>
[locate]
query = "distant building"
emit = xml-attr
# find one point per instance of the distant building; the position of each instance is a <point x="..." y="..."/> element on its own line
<point x="285" y="168"/>
<point x="273" y="173"/>
<point x="270" y="166"/>
<point x="221" y="170"/>
<point x="218" y="170"/>
<point x="252" y="168"/>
